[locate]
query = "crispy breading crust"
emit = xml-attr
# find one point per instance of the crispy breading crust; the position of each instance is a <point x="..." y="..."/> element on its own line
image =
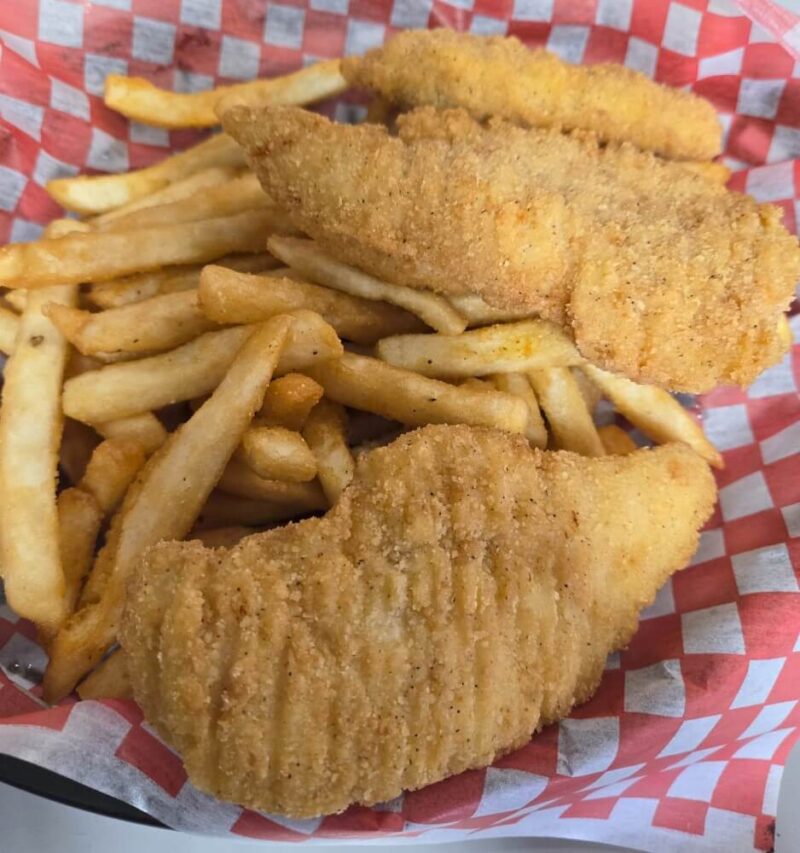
<point x="656" y="272"/>
<point x="496" y="76"/>
<point x="464" y="591"/>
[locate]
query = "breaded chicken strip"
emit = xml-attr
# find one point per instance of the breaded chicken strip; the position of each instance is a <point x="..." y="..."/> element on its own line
<point x="495" y="76"/>
<point x="464" y="591"/>
<point x="656" y="272"/>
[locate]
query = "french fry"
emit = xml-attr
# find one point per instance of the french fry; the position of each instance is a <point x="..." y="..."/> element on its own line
<point x="311" y="262"/>
<point x="160" y="323"/>
<point x="279" y="454"/>
<point x="95" y="256"/>
<point x="233" y="297"/>
<point x="565" y="409"/>
<point x="518" y="384"/>
<point x="9" y="324"/>
<point x="373" y="386"/>
<point x="326" y="431"/>
<point x="615" y="440"/>
<point x="130" y="388"/>
<point x="240" y="480"/>
<point x="166" y="500"/>
<point x="227" y="199"/>
<point x="108" y="680"/>
<point x="78" y="442"/>
<point x="112" y="468"/>
<point x="478" y="312"/>
<point x="222" y="537"/>
<point x="592" y="395"/>
<point x="140" y="100"/>
<point x="655" y="412"/>
<point x="504" y="348"/>
<point x="289" y="400"/>
<point x="173" y="192"/>
<point x="100" y="193"/>
<point x="31" y="423"/>
<point x="16" y="299"/>
<point x="145" y="429"/>
<point x="223" y="509"/>
<point x="79" y="521"/>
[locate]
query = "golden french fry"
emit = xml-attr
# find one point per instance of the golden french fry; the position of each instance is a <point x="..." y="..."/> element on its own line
<point x="565" y="409"/>
<point x="173" y="192"/>
<point x="79" y="521"/>
<point x="31" y="423"/>
<point x="240" y="480"/>
<point x="108" y="680"/>
<point x="160" y="323"/>
<point x="478" y="312"/>
<point x="655" y="412"/>
<point x="222" y="509"/>
<point x="112" y="468"/>
<point x="9" y="323"/>
<point x="326" y="431"/>
<point x="78" y="442"/>
<point x="130" y="388"/>
<point x="222" y="537"/>
<point x="101" y="193"/>
<point x="373" y="386"/>
<point x="234" y="297"/>
<point x="16" y="299"/>
<point x="227" y="199"/>
<point x="719" y="173"/>
<point x="310" y="261"/>
<point x="615" y="440"/>
<point x="277" y="453"/>
<point x="145" y="429"/>
<point x="95" y="256"/>
<point x="518" y="384"/>
<point x="139" y="99"/>
<point x="504" y="348"/>
<point x="166" y="500"/>
<point x="289" y="400"/>
<point x="592" y="395"/>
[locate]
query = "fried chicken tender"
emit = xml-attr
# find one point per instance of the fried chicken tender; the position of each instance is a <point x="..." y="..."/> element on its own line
<point x="463" y="592"/>
<point x="496" y="76"/>
<point x="656" y="272"/>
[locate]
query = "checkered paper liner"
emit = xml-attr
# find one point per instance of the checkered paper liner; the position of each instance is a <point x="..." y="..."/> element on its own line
<point x="683" y="746"/>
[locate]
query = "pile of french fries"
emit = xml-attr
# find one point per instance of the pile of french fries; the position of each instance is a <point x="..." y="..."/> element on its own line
<point x="183" y="364"/>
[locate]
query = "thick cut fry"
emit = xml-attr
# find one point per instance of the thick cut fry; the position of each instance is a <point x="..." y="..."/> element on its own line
<point x="224" y="509"/>
<point x="108" y="680"/>
<point x="310" y="261"/>
<point x="170" y="193"/>
<point x="79" y="521"/>
<point x="140" y="100"/>
<point x="9" y="323"/>
<point x="96" y="255"/>
<point x="78" y="442"/>
<point x="289" y="400"/>
<point x="234" y="297"/>
<point x="279" y="454"/>
<point x="326" y="434"/>
<point x="592" y="395"/>
<point x="112" y="468"/>
<point x="655" y="412"/>
<point x="31" y="423"/>
<point x="167" y="499"/>
<point x="400" y="395"/>
<point x="504" y="348"/>
<point x="240" y="480"/>
<point x="101" y="193"/>
<point x="145" y="429"/>
<point x="227" y="199"/>
<point x="130" y="388"/>
<point x="518" y="384"/>
<point x="615" y="440"/>
<point x="16" y="299"/>
<point x="222" y="537"/>
<point x="566" y="412"/>
<point x="478" y="312"/>
<point x="153" y="325"/>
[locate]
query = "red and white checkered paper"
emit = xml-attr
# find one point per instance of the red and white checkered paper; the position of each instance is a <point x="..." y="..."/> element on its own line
<point x="683" y="746"/>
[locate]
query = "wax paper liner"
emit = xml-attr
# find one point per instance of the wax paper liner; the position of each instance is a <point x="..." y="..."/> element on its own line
<point x="683" y="746"/>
